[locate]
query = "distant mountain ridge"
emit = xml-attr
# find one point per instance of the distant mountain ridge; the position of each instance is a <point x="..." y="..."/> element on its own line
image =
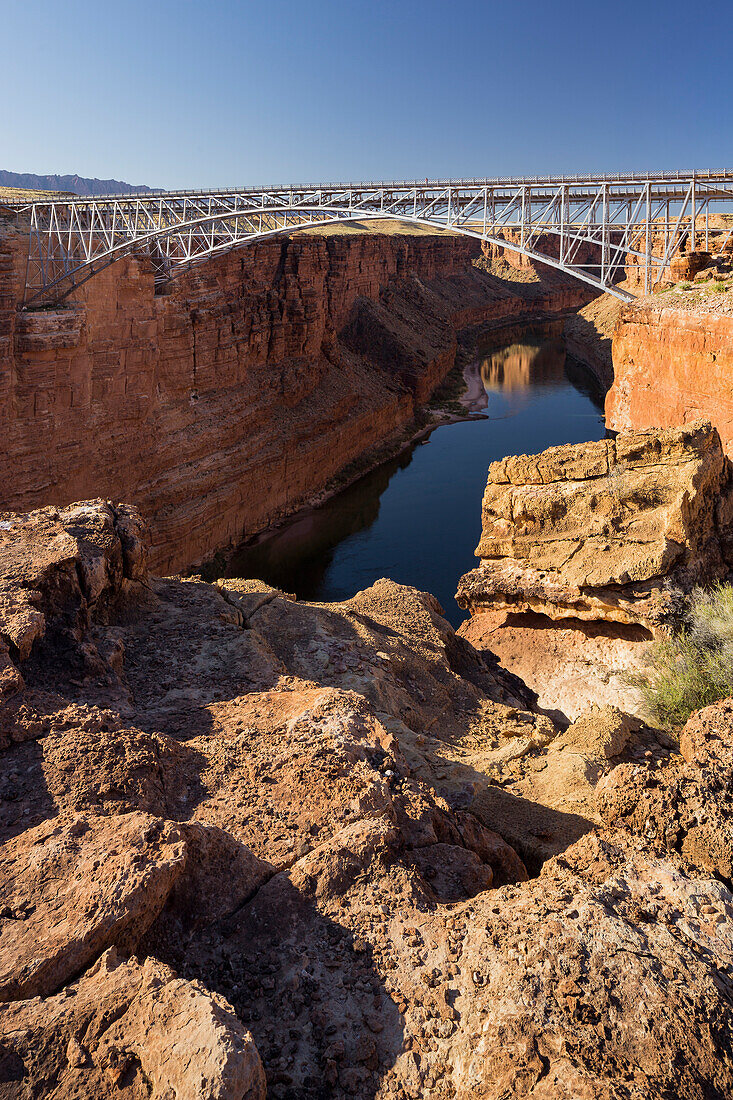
<point x="79" y="185"/>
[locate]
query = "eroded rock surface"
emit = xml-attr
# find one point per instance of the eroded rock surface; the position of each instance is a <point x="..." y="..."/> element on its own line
<point x="315" y="826"/>
<point x="596" y="533"/>
<point x="57" y="567"/>
<point x="128" y="1030"/>
<point x="73" y="887"/>
<point x="684" y="805"/>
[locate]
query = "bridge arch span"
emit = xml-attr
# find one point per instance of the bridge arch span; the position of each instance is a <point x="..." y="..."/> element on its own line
<point x="70" y="240"/>
<point x="73" y="275"/>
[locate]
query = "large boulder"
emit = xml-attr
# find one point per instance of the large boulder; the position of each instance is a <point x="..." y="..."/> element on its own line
<point x="591" y="530"/>
<point x="683" y="805"/>
<point x="74" y="887"/>
<point x="127" y="1030"/>
<point x="61" y="568"/>
<point x="582" y="549"/>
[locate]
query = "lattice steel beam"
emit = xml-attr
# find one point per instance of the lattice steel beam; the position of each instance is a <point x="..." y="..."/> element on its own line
<point x="71" y="239"/>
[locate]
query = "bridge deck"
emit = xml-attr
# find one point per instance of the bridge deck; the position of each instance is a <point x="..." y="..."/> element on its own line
<point x="704" y="177"/>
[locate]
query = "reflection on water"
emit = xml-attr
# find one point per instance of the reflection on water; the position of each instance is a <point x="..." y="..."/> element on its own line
<point x="417" y="518"/>
<point x="536" y="362"/>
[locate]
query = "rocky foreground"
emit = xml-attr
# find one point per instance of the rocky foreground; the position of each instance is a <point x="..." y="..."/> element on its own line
<point x="255" y="847"/>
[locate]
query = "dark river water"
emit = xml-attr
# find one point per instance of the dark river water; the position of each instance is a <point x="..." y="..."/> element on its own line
<point x="417" y="519"/>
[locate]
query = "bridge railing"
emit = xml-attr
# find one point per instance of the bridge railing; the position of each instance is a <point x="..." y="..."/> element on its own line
<point x="430" y="184"/>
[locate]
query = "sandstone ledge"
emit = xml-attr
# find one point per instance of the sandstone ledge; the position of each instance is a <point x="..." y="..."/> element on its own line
<point x="582" y="549"/>
<point x="592" y="530"/>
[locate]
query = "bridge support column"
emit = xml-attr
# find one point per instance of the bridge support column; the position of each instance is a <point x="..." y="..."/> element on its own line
<point x="605" y="236"/>
<point x="648" y="267"/>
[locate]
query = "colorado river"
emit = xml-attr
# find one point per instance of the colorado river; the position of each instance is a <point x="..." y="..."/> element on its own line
<point x="417" y="518"/>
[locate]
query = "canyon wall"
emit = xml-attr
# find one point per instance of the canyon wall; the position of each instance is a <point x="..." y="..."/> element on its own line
<point x="228" y="402"/>
<point x="672" y="364"/>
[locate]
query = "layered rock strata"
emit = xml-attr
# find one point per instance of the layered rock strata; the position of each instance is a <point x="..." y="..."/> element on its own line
<point x="297" y="817"/>
<point x="234" y="398"/>
<point x="672" y="363"/>
<point x="595" y="533"/>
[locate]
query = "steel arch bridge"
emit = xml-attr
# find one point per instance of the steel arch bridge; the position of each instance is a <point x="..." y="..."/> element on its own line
<point x="72" y="239"/>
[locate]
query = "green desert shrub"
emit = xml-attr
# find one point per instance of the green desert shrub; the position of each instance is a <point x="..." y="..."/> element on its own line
<point x="684" y="286"/>
<point x="693" y="667"/>
<point x="719" y="288"/>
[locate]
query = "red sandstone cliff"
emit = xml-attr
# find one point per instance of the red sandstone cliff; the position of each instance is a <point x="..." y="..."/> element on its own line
<point x="228" y="402"/>
<point x="672" y="364"/>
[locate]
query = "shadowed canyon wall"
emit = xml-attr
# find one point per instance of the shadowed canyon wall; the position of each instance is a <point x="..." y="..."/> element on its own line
<point x="227" y="403"/>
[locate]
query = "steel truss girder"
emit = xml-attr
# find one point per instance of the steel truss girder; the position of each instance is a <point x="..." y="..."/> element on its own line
<point x="70" y="240"/>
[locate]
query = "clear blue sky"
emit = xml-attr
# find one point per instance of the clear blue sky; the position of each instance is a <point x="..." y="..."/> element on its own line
<point x="175" y="93"/>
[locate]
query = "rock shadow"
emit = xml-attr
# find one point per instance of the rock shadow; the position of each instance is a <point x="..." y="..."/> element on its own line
<point x="307" y="987"/>
<point x="336" y="1031"/>
<point x="536" y="832"/>
<point x="585" y="342"/>
<point x="25" y="800"/>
